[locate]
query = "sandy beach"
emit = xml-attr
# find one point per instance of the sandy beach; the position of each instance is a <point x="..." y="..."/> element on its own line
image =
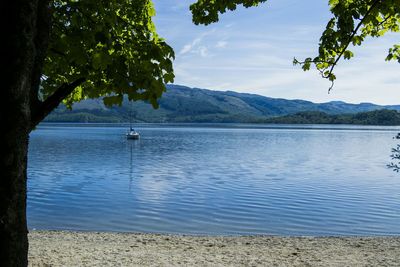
<point x="65" y="248"/>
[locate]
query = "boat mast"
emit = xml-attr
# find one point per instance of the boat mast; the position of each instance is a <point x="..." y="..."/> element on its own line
<point x="130" y="115"/>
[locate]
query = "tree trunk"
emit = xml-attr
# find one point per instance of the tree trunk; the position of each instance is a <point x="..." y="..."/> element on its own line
<point x="25" y="30"/>
<point x="22" y="61"/>
<point x="13" y="226"/>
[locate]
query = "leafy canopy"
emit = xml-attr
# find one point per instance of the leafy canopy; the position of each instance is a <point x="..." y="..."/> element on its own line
<point x="351" y="23"/>
<point x="113" y="45"/>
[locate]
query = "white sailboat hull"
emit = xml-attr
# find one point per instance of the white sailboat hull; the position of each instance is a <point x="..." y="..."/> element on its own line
<point x="133" y="135"/>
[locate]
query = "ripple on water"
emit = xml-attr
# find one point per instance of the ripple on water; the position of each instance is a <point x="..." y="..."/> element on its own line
<point x="213" y="181"/>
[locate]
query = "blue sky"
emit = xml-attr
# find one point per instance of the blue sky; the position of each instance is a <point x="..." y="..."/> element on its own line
<point x="251" y="50"/>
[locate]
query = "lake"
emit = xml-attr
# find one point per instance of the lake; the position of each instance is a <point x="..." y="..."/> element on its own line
<point x="214" y="179"/>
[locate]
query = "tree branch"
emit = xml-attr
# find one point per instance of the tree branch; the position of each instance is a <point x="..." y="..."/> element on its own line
<point x="385" y="19"/>
<point x="373" y="5"/>
<point x="54" y="100"/>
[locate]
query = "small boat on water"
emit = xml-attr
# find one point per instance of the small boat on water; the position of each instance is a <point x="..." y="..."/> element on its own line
<point x="132" y="134"/>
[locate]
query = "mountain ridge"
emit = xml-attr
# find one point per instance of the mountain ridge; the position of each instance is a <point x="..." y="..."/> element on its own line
<point x="185" y="104"/>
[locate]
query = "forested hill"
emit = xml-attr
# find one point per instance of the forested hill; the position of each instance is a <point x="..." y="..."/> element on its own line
<point x="184" y="104"/>
<point x="376" y="117"/>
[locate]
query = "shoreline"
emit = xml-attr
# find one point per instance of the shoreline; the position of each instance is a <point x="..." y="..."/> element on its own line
<point x="69" y="248"/>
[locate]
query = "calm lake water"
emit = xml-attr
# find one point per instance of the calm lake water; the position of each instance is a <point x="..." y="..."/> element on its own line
<point x="214" y="179"/>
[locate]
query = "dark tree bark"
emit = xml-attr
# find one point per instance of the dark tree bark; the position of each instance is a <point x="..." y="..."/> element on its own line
<point x="19" y="26"/>
<point x="25" y="30"/>
<point x="25" y="34"/>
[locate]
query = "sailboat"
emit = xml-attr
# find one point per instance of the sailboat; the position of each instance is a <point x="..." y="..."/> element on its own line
<point x="131" y="134"/>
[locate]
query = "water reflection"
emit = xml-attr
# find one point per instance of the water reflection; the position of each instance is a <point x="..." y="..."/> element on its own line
<point x="131" y="144"/>
<point x="213" y="180"/>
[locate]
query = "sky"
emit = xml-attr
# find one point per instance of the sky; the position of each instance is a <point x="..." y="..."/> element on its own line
<point x="252" y="50"/>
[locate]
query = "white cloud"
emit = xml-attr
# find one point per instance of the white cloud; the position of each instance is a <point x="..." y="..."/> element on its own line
<point x="203" y="51"/>
<point x="189" y="47"/>
<point x="262" y="44"/>
<point x="186" y="49"/>
<point x="221" y="44"/>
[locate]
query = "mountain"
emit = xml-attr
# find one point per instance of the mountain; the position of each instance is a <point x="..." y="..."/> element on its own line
<point x="184" y="104"/>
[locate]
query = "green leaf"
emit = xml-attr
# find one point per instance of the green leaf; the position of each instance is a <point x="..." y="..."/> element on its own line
<point x="113" y="100"/>
<point x="348" y="54"/>
<point x="112" y="44"/>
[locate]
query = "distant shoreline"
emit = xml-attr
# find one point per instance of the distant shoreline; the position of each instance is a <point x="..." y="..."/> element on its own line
<point x="260" y="126"/>
<point x="67" y="248"/>
<point x="382" y="117"/>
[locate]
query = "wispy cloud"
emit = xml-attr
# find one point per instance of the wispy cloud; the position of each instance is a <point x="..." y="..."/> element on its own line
<point x="203" y="51"/>
<point x="197" y="46"/>
<point x="189" y="47"/>
<point x="251" y="50"/>
<point x="221" y="44"/>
